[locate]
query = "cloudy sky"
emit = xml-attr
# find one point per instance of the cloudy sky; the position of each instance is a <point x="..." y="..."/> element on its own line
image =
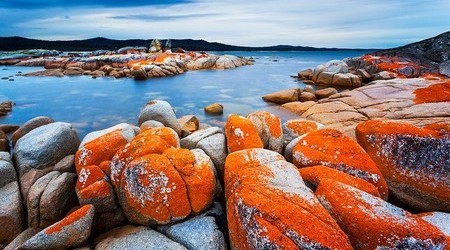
<point x="318" y="23"/>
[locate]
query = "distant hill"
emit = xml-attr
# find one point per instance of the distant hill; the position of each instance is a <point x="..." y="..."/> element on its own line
<point x="20" y="43"/>
<point x="430" y="53"/>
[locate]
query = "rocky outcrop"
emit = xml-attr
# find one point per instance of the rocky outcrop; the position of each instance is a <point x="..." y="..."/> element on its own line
<point x="264" y="195"/>
<point x="414" y="161"/>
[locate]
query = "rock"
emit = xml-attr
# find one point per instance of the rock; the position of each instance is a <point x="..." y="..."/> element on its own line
<point x="104" y="222"/>
<point x="283" y="96"/>
<point x="439" y="220"/>
<point x="4" y="142"/>
<point x="372" y="223"/>
<point x="151" y="124"/>
<point x="70" y="232"/>
<point x="241" y="134"/>
<point x="200" y="233"/>
<point x="21" y="238"/>
<point x="336" y="66"/>
<point x="42" y="148"/>
<point x="7" y="171"/>
<point x="325" y="93"/>
<point x="9" y="128"/>
<point x="189" y="123"/>
<point x="264" y="195"/>
<point x="155" y="46"/>
<point x="314" y="175"/>
<point x="305" y="74"/>
<point x="160" y="111"/>
<point x="5" y="107"/>
<point x="308" y="88"/>
<point x="414" y="161"/>
<point x="331" y="148"/>
<point x="226" y="62"/>
<point x="30" y="125"/>
<point x="383" y="75"/>
<point x="444" y="68"/>
<point x="132" y="237"/>
<point x="214" y="109"/>
<point x="191" y="141"/>
<point x="11" y="212"/>
<point x="365" y="76"/>
<point x="269" y="129"/>
<point x="66" y="164"/>
<point x="326" y="78"/>
<point x="183" y="181"/>
<point x="298" y="107"/>
<point x="100" y="146"/>
<point x="306" y="97"/>
<point x="50" y="198"/>
<point x="295" y="128"/>
<point x="93" y="187"/>
<point x="215" y="146"/>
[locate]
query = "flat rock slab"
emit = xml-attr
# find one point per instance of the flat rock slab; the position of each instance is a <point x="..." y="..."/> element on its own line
<point x="384" y="99"/>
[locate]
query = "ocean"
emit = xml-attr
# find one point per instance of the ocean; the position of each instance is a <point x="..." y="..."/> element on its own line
<point x="94" y="104"/>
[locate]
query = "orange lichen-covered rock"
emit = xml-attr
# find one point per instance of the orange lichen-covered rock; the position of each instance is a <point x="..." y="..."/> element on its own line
<point x="241" y="134"/>
<point x="269" y="206"/>
<point x="93" y="187"/>
<point x="314" y="175"/>
<point x="372" y="223"/>
<point x="414" y="161"/>
<point x="439" y="220"/>
<point x="149" y="141"/>
<point x="331" y="148"/>
<point x="269" y="129"/>
<point x="157" y="182"/>
<point x="101" y="146"/>
<point x="70" y="232"/>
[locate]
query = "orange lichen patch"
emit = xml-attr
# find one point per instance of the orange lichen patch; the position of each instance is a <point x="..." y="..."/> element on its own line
<point x="143" y="144"/>
<point x="441" y="127"/>
<point x="269" y="129"/>
<point x="88" y="175"/>
<point x="197" y="172"/>
<point x="97" y="189"/>
<point x="269" y="207"/>
<point x="162" y="57"/>
<point x="439" y="92"/>
<point x="413" y="160"/>
<point x="105" y="166"/>
<point x="154" y="190"/>
<point x="100" y="149"/>
<point x="372" y="223"/>
<point x="270" y="120"/>
<point x="241" y="134"/>
<point x="71" y="218"/>
<point x="167" y="134"/>
<point x="432" y="77"/>
<point x="301" y="127"/>
<point x="331" y="148"/>
<point x="314" y="175"/>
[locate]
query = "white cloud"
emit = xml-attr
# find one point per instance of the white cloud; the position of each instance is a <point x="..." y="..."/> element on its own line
<point x="322" y="23"/>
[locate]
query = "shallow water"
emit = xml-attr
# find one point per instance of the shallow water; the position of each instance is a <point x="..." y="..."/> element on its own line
<point x="93" y="104"/>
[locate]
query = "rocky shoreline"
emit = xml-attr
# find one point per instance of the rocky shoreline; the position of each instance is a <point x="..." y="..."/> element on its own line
<point x="129" y="62"/>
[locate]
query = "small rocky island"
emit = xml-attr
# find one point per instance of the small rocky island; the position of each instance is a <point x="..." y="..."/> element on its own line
<point x="363" y="168"/>
<point x="137" y="62"/>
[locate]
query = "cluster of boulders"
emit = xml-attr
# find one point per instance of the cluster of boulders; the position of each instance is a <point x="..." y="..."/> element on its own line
<point x="164" y="184"/>
<point x="298" y="95"/>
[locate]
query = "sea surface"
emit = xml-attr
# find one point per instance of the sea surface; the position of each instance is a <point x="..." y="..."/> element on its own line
<point x="94" y="104"/>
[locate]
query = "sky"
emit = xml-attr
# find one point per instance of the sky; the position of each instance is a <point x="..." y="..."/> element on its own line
<point x="318" y="23"/>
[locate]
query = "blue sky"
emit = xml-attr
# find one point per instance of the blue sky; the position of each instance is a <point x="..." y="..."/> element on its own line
<point x="319" y="23"/>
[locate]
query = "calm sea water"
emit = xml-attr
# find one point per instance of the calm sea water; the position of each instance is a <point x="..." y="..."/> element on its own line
<point x="93" y="104"/>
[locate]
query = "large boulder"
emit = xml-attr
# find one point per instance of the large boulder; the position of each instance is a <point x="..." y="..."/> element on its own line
<point x="331" y="148"/>
<point x="132" y="237"/>
<point x="157" y="182"/>
<point x="70" y="232"/>
<point x="241" y="134"/>
<point x="372" y="223"/>
<point x="30" y="125"/>
<point x="298" y="127"/>
<point x="38" y="151"/>
<point x="414" y="161"/>
<point x="269" y="206"/>
<point x="160" y="111"/>
<point x="11" y="208"/>
<point x="269" y="129"/>
<point x="444" y="68"/>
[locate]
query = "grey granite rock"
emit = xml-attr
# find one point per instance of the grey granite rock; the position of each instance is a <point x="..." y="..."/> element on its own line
<point x="160" y="111"/>
<point x="11" y="213"/>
